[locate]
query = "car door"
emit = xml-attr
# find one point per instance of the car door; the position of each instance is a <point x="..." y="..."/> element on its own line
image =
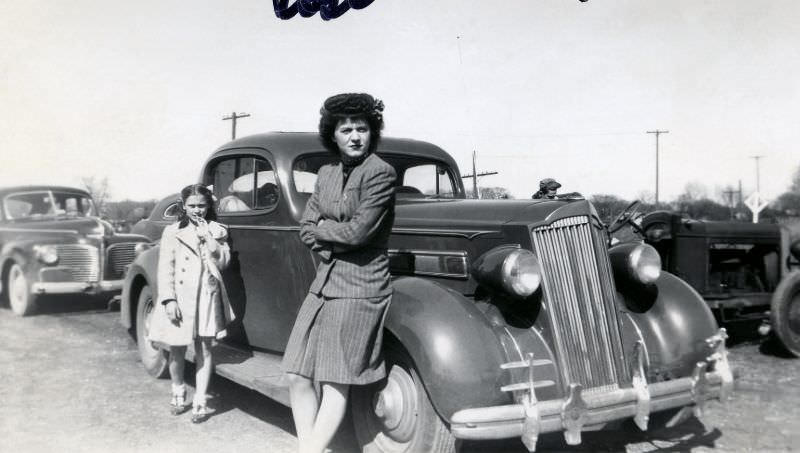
<point x="270" y="269"/>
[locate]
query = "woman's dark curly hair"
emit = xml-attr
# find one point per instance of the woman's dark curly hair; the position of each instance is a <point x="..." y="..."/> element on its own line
<point x="195" y="189"/>
<point x="354" y="106"/>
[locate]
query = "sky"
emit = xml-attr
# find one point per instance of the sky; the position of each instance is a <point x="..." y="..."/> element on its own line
<point x="135" y="91"/>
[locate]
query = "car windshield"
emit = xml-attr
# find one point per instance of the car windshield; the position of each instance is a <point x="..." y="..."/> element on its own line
<point x="417" y="177"/>
<point x="47" y="203"/>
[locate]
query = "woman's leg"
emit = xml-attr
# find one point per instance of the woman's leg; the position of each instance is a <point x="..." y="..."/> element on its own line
<point x="330" y="415"/>
<point x="304" y="403"/>
<point x="204" y="365"/>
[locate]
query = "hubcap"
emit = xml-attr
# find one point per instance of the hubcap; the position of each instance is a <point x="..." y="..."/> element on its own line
<point x="147" y="318"/>
<point x="395" y="406"/>
<point x="18" y="289"/>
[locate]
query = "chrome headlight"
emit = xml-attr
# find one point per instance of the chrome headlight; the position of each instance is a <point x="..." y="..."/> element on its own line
<point x="47" y="254"/>
<point x="510" y="269"/>
<point x="141" y="247"/>
<point x="635" y="262"/>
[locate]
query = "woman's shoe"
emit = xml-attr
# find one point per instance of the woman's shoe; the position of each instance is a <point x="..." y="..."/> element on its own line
<point x="178" y="402"/>
<point x="200" y="413"/>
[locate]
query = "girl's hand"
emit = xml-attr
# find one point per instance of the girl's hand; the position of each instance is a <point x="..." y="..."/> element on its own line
<point x="174" y="312"/>
<point x="202" y="228"/>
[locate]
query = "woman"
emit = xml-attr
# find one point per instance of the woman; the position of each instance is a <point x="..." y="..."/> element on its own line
<point x="192" y="304"/>
<point x="336" y="339"/>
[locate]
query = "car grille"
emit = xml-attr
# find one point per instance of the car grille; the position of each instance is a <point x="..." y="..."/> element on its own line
<point x="119" y="257"/>
<point x="580" y="296"/>
<point x="82" y="261"/>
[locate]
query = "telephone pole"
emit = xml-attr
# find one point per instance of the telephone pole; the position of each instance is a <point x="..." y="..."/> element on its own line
<point x="758" y="173"/>
<point x="657" y="132"/>
<point x="234" y="116"/>
<point x="475" y="175"/>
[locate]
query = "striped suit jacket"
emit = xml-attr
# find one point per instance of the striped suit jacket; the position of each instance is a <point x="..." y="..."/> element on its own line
<point x="357" y="219"/>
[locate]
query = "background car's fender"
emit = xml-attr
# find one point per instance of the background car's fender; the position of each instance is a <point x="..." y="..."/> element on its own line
<point x="674" y="328"/>
<point x="142" y="272"/>
<point x="451" y="343"/>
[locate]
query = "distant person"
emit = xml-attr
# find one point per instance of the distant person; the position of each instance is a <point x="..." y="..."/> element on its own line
<point x="337" y="338"/>
<point x="548" y="189"/>
<point x="192" y="305"/>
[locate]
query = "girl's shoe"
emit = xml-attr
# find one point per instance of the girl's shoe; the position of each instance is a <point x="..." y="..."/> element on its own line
<point x="200" y="413"/>
<point x="178" y="402"/>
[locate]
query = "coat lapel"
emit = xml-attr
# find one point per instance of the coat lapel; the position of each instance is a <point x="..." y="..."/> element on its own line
<point x="188" y="237"/>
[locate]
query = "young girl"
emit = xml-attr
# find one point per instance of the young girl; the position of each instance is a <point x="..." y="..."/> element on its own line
<point x="192" y="306"/>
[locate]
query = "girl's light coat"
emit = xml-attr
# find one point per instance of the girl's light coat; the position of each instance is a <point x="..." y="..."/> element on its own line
<point x="180" y="268"/>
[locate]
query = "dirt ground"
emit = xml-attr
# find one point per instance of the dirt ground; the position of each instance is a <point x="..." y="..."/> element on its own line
<point x="72" y="382"/>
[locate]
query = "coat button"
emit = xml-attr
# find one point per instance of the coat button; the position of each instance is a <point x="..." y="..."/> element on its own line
<point x="183" y="269"/>
<point x="180" y="282"/>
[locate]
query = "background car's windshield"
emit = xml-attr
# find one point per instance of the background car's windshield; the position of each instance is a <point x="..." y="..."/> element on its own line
<point x="47" y="203"/>
<point x="416" y="176"/>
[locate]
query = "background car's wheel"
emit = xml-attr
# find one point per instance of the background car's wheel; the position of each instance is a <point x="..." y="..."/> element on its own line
<point x="395" y="415"/>
<point x="785" y="313"/>
<point x="154" y="359"/>
<point x="20" y="298"/>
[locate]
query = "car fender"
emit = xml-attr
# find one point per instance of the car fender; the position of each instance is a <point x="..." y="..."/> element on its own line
<point x="674" y="328"/>
<point x="140" y="273"/>
<point x="451" y="342"/>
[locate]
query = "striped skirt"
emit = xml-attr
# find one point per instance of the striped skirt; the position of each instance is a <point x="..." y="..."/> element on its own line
<point x="338" y="340"/>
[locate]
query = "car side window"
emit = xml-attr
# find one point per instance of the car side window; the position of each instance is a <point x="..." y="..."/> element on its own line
<point x="243" y="184"/>
<point x="425" y="179"/>
<point x="172" y="211"/>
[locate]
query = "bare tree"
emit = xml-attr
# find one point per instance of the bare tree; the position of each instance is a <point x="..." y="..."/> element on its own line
<point x="98" y="189"/>
<point x="495" y="193"/>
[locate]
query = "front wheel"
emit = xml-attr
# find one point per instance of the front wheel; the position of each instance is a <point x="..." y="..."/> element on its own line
<point x="153" y="358"/>
<point x="785" y="313"/>
<point x="20" y="298"/>
<point x="395" y="415"/>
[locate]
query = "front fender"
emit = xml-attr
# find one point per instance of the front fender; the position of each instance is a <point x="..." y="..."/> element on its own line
<point x="453" y="346"/>
<point x="674" y="328"/>
<point x="141" y="272"/>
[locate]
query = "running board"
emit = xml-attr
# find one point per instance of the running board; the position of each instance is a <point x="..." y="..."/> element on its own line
<point x="259" y="371"/>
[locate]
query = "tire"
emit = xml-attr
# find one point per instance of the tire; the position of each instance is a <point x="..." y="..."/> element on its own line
<point x="20" y="299"/>
<point x="785" y="313"/>
<point x="153" y="358"/>
<point x="409" y="423"/>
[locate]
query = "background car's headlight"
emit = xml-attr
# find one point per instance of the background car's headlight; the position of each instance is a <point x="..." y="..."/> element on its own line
<point x="635" y="262"/>
<point x="141" y="247"/>
<point x="509" y="269"/>
<point x="46" y="254"/>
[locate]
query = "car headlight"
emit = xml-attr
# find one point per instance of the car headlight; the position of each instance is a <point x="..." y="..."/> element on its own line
<point x="141" y="247"/>
<point x="510" y="269"/>
<point x="47" y="254"/>
<point x="635" y="262"/>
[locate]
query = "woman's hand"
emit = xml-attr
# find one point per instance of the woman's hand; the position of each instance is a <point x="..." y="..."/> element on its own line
<point x="173" y="312"/>
<point x="202" y="228"/>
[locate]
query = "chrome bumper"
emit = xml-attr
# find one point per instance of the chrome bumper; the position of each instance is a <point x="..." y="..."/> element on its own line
<point x="77" y="287"/>
<point x="579" y="412"/>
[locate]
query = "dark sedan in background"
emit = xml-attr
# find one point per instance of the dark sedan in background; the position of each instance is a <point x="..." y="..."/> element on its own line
<point x="52" y="242"/>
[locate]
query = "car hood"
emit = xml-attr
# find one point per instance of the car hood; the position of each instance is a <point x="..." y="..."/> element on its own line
<point x="81" y="226"/>
<point x="483" y="214"/>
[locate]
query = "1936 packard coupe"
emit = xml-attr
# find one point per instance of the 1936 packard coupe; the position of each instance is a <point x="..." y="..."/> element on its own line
<point x="510" y="318"/>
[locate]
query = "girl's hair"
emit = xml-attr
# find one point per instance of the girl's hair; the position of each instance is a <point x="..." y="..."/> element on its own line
<point x="354" y="106"/>
<point x="195" y="189"/>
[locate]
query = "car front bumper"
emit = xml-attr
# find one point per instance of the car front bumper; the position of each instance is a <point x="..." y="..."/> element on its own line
<point x="585" y="411"/>
<point x="77" y="287"/>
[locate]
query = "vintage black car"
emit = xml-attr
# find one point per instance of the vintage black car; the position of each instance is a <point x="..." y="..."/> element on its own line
<point x="51" y="242"/>
<point x="509" y="318"/>
<point x="163" y="213"/>
<point x="744" y="271"/>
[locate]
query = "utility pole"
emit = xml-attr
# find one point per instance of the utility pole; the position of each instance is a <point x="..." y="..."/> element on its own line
<point x="657" y="132"/>
<point x="475" y="175"/>
<point x="729" y="195"/>
<point x="758" y="173"/>
<point x="234" y="116"/>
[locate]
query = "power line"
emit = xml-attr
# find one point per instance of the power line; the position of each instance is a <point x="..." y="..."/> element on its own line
<point x="657" y="132"/>
<point x="234" y="116"/>
<point x="475" y="175"/>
